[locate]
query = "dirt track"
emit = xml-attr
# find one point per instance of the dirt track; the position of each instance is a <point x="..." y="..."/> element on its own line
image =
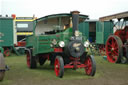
<point x="107" y="74"/>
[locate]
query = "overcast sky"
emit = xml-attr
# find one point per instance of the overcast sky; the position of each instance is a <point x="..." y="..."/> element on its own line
<point x="93" y="8"/>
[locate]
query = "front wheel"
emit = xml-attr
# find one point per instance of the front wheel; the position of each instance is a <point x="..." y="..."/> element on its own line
<point x="90" y="63"/>
<point x="31" y="61"/>
<point x="59" y="66"/>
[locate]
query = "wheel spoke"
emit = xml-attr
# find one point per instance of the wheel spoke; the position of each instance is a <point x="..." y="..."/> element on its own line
<point x="116" y="48"/>
<point x="115" y="45"/>
<point x="113" y="42"/>
<point x="109" y="52"/>
<point x="116" y="53"/>
<point x="109" y="45"/>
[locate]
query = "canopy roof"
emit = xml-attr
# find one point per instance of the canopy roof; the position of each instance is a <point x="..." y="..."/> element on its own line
<point x="60" y="15"/>
<point x="115" y="16"/>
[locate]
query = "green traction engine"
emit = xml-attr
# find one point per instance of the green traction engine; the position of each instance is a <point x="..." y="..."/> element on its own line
<point x="56" y="38"/>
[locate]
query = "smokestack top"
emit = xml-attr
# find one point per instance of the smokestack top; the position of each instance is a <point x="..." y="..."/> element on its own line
<point x="75" y="12"/>
<point x="14" y="16"/>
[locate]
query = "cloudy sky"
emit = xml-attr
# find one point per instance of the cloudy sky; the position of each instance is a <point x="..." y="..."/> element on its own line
<point x="93" y="8"/>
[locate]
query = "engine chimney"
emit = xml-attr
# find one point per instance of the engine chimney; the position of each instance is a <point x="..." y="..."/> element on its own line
<point x="75" y="21"/>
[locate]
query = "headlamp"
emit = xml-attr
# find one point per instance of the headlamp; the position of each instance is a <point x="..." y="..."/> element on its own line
<point x="61" y="44"/>
<point x="86" y="44"/>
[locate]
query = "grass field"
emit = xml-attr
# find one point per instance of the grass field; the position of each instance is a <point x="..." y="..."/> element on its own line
<point x="107" y="72"/>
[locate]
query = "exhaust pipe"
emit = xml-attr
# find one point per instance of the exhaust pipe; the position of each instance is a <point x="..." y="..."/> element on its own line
<point x="75" y="21"/>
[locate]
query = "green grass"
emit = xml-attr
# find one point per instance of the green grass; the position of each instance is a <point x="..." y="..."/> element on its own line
<point x="19" y="72"/>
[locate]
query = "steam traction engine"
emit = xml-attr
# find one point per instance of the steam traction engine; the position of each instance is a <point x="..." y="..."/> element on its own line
<point x="117" y="44"/>
<point x="56" y="40"/>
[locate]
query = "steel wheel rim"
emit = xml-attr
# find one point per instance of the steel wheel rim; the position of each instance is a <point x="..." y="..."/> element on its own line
<point x="88" y="68"/>
<point x="28" y="59"/>
<point x="57" y="67"/>
<point x="112" y="50"/>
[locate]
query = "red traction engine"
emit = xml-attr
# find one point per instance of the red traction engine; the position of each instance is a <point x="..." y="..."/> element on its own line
<point x="117" y="46"/>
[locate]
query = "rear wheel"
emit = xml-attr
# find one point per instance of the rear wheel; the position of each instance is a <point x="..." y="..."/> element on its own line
<point x="31" y="61"/>
<point x="114" y="49"/>
<point x="59" y="66"/>
<point x="90" y="63"/>
<point x="7" y="52"/>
